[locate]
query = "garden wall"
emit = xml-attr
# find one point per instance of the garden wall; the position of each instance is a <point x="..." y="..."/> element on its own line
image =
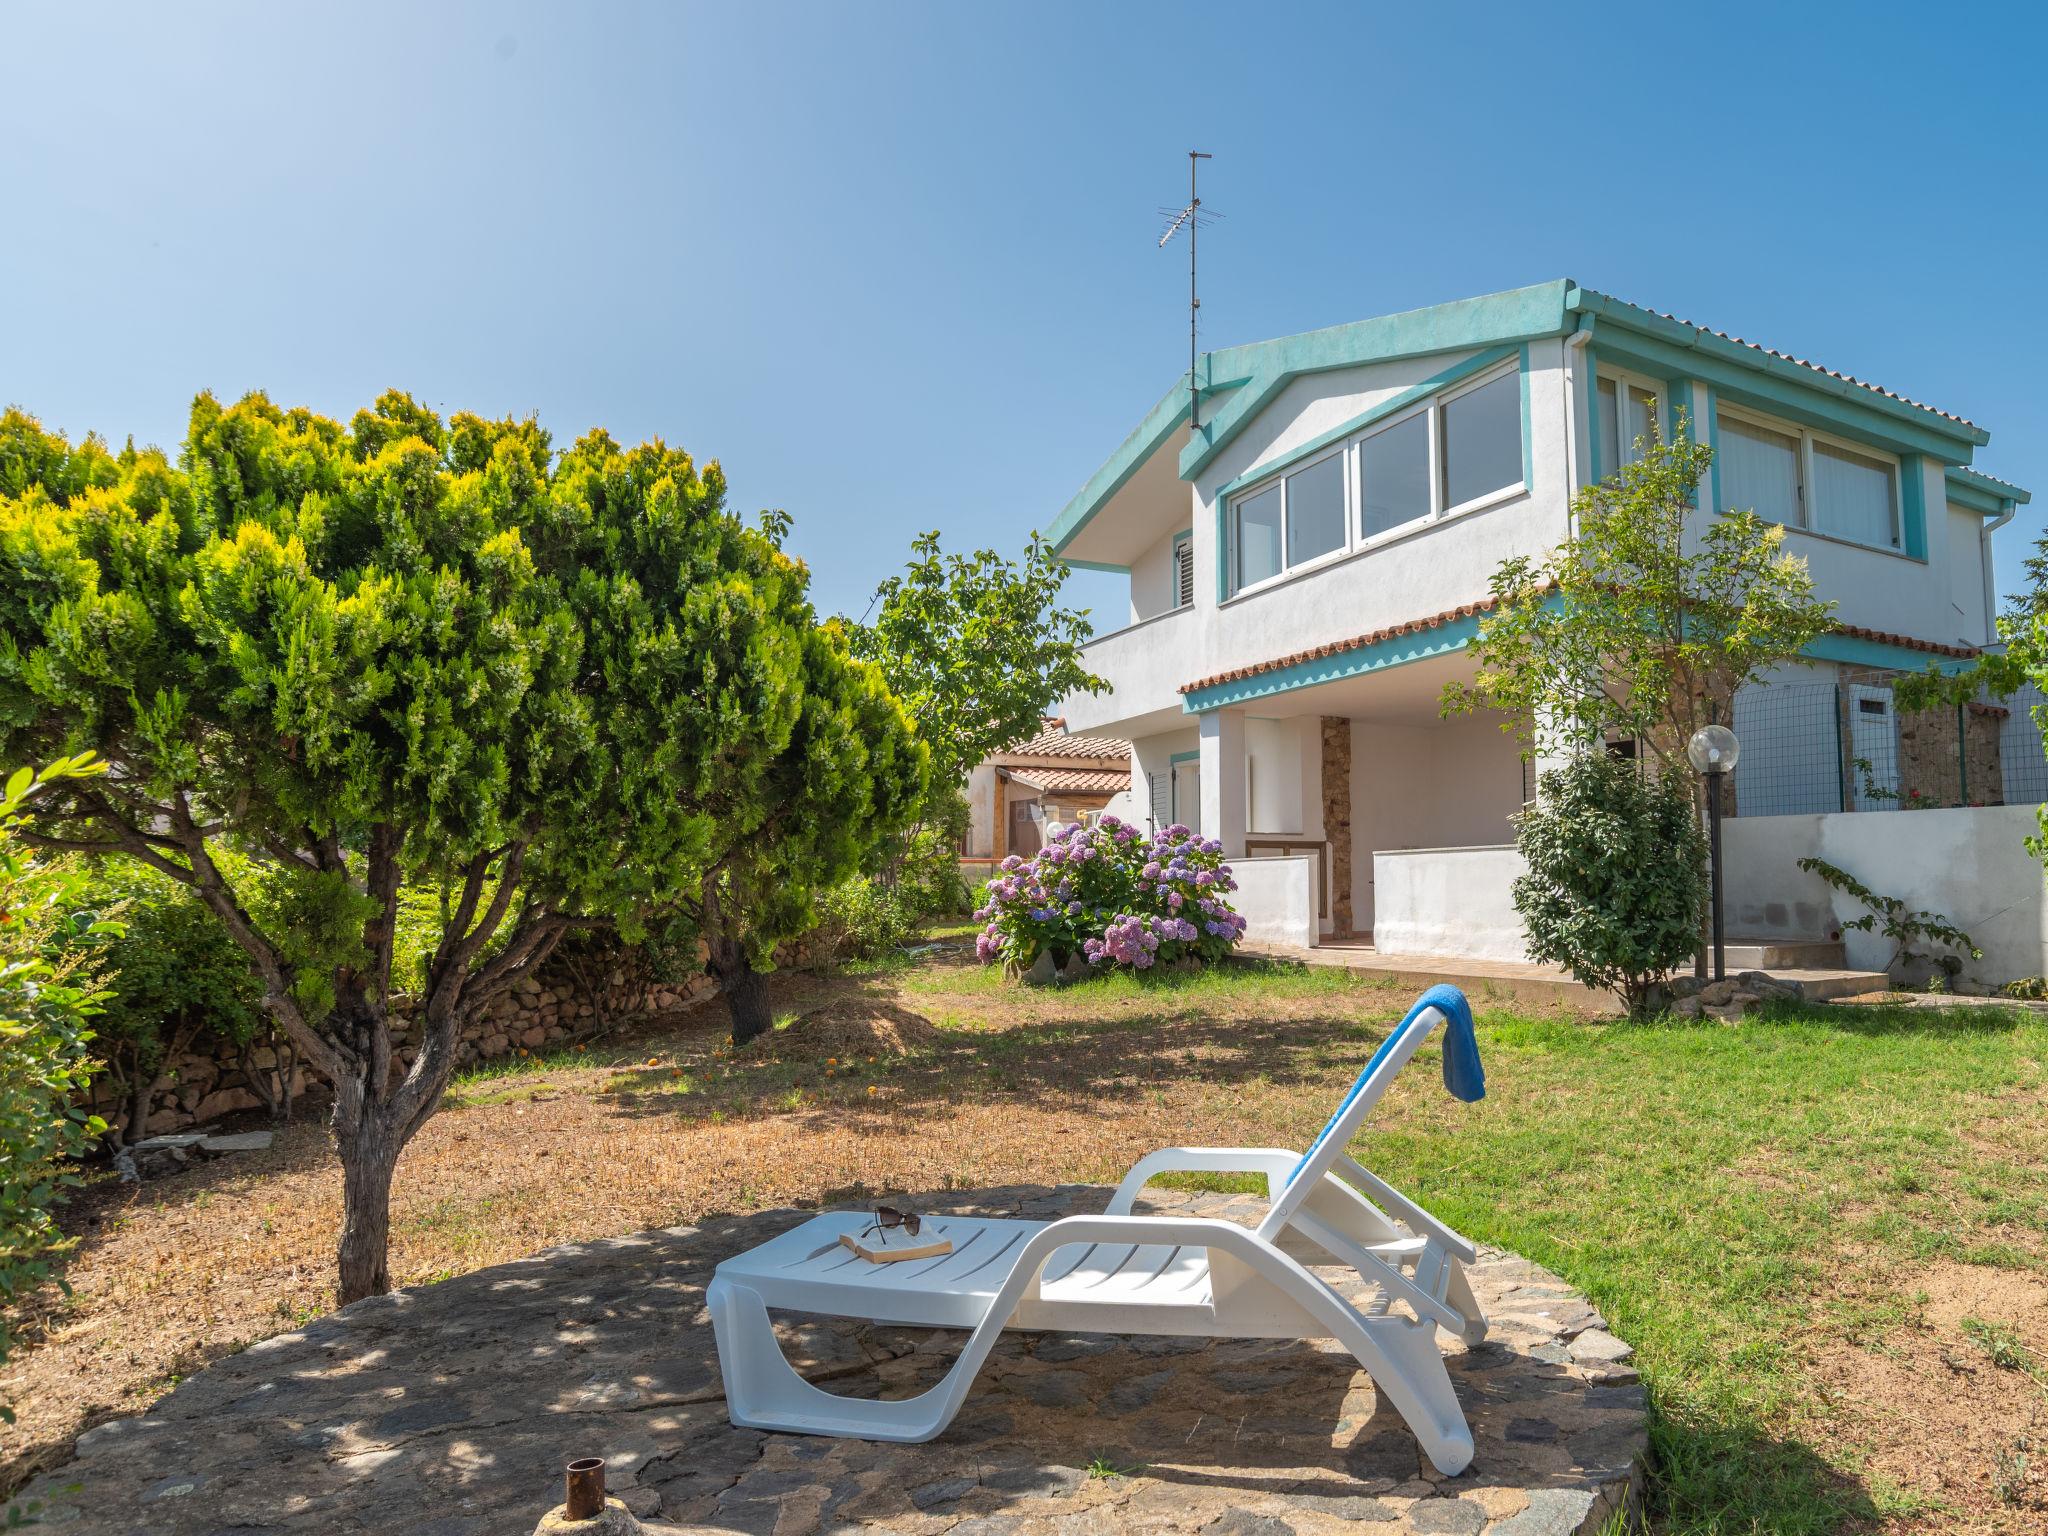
<point x="1971" y="865"/>
<point x="1448" y="901"/>
<point x="1277" y="898"/>
<point x="542" y="1013"/>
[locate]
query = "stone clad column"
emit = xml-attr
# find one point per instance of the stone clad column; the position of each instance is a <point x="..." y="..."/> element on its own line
<point x="1337" y="816"/>
<point x="1223" y="779"/>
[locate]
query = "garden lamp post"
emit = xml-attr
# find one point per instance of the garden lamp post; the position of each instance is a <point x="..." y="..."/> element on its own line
<point x="1712" y="752"/>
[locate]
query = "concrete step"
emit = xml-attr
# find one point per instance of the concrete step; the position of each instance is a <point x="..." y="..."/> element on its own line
<point x="1820" y="983"/>
<point x="1785" y="954"/>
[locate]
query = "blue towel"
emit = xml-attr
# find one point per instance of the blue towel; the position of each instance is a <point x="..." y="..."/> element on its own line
<point x="1463" y="1075"/>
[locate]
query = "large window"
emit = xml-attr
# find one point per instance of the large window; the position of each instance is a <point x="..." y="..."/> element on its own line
<point x="1628" y="420"/>
<point x="1481" y="439"/>
<point x="1454" y="453"/>
<point x="1803" y="480"/>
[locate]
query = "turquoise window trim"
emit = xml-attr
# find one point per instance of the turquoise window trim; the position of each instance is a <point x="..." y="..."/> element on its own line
<point x="1436" y="383"/>
<point x="1528" y="442"/>
<point x="1913" y="505"/>
<point x="1184" y="757"/>
<point x="1714" y="443"/>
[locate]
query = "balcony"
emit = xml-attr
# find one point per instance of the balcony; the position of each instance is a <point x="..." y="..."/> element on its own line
<point x="1144" y="663"/>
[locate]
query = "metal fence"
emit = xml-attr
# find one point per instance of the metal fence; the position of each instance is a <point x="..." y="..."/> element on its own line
<point x="1819" y="747"/>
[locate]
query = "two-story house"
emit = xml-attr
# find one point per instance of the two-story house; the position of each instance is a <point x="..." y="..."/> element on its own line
<point x="1307" y="565"/>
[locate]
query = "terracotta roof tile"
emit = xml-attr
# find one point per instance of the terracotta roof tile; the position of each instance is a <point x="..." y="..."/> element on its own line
<point x="1466" y="610"/>
<point x="1832" y="373"/>
<point x="1084" y="781"/>
<point x="1054" y="741"/>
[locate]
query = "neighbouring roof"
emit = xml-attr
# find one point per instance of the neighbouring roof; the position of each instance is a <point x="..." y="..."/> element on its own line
<point x="1082" y="781"/>
<point x="1054" y="741"/>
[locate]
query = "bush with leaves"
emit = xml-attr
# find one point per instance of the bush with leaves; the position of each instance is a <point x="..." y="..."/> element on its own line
<point x="1113" y="896"/>
<point x="1908" y="928"/>
<point x="1616" y="880"/>
<point x="47" y="1001"/>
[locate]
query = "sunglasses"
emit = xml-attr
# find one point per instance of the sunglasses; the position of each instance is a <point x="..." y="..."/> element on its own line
<point x="887" y="1216"/>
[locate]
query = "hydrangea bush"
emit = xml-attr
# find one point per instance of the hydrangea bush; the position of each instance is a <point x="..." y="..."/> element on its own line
<point x="1114" y="896"/>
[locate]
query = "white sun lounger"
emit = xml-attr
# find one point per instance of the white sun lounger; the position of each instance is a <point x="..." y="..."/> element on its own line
<point x="1125" y="1273"/>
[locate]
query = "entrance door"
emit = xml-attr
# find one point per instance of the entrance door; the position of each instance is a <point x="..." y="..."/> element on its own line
<point x="1187" y="795"/>
<point x="1024" y="828"/>
<point x="1873" y="749"/>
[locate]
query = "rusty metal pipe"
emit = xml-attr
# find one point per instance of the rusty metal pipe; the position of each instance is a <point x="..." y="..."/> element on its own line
<point x="583" y="1497"/>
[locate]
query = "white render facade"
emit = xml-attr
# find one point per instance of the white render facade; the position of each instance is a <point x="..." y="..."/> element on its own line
<point x="1307" y="564"/>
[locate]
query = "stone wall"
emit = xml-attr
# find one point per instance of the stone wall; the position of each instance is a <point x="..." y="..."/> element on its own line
<point x="1931" y="742"/>
<point x="542" y="1013"/>
<point x="1337" y="817"/>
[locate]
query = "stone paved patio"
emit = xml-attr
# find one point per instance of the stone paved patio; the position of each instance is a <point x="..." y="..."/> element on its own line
<point x="448" y="1411"/>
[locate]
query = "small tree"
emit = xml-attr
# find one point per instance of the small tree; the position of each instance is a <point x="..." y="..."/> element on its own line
<point x="1616" y="873"/>
<point x="977" y="648"/>
<point x="1638" y="624"/>
<point x="555" y="688"/>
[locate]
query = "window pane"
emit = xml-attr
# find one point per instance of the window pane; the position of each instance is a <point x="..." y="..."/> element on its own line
<point x="1759" y="471"/>
<point x="1257" y="542"/>
<point x="1610" y="429"/>
<point x="1642" y="423"/>
<point x="1315" y="510"/>
<point x="1393" y="472"/>
<point x="1852" y="496"/>
<point x="1482" y="440"/>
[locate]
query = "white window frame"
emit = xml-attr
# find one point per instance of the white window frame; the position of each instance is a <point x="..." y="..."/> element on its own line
<point x="1807" y="437"/>
<point x="1351" y="450"/>
<point x="1623" y="381"/>
<point x="1279" y="480"/>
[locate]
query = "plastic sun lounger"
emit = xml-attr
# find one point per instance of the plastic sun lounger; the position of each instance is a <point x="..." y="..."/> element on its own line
<point x="1125" y="1273"/>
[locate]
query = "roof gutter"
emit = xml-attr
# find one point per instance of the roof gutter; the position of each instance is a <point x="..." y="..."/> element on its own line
<point x="2008" y="508"/>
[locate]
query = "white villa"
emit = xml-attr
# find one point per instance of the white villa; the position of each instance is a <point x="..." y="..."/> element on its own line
<point x="1307" y="565"/>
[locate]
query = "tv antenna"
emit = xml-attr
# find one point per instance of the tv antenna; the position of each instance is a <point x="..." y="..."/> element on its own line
<point x="1192" y="217"/>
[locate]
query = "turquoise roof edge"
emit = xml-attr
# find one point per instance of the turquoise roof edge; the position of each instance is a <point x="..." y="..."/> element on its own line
<point x="1259" y="370"/>
<point x="1263" y="368"/>
<point x="1983" y="493"/>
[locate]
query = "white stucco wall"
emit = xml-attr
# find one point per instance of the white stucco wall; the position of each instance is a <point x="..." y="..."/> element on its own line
<point x="1966" y="555"/>
<point x="981" y="804"/>
<point x="1444" y="784"/>
<point x="1449" y="901"/>
<point x="1277" y="899"/>
<point x="1969" y="865"/>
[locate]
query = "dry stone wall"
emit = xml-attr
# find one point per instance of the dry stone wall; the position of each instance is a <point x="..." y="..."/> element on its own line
<point x="542" y="1013"/>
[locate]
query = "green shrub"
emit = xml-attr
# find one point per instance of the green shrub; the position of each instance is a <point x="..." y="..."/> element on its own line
<point x="862" y="919"/>
<point x="1616" y="881"/>
<point x="47" y="997"/>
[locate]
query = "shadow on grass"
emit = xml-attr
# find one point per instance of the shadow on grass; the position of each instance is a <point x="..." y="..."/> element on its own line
<point x="1717" y="1479"/>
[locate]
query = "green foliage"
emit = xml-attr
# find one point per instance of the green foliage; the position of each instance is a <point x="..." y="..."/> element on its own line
<point x="1903" y="925"/>
<point x="1616" y="883"/>
<point x="557" y="689"/>
<point x="1641" y="624"/>
<point x="2023" y="659"/>
<point x="977" y="647"/>
<point x="863" y="919"/>
<point x="46" y="1002"/>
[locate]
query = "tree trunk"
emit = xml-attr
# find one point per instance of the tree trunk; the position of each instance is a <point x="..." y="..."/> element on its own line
<point x="369" y="1157"/>
<point x="746" y="990"/>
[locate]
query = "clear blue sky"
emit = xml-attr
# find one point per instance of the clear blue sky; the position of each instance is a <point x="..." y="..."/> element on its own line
<point x="894" y="265"/>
